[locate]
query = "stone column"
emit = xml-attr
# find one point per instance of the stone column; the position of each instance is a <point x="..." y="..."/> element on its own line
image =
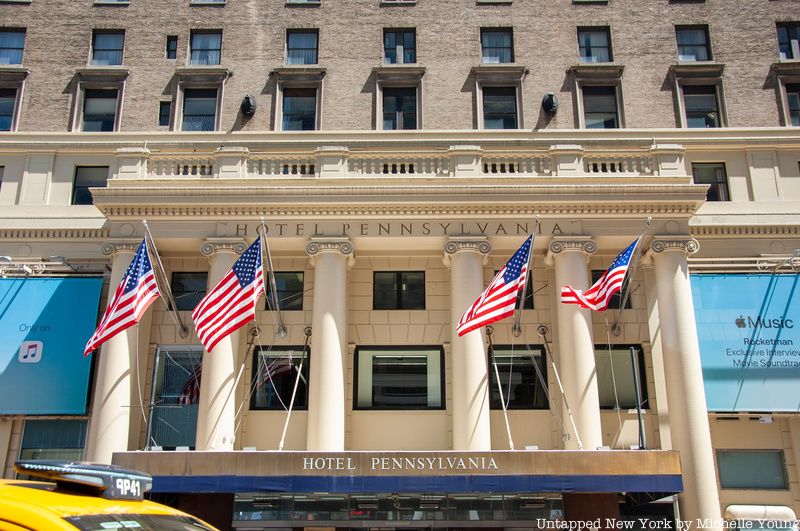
<point x="575" y="344"/>
<point x="683" y="373"/>
<point x="109" y="426"/>
<point x="216" y="415"/>
<point x="326" y="395"/>
<point x="471" y="428"/>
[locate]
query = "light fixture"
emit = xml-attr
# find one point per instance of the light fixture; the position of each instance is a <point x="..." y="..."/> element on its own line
<point x="248" y="106"/>
<point x="60" y="260"/>
<point x="550" y="103"/>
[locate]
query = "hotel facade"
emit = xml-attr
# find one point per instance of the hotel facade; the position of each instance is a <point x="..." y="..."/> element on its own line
<point x="397" y="153"/>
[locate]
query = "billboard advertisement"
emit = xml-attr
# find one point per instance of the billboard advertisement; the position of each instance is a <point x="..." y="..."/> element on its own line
<point x="749" y="331"/>
<point x="44" y="325"/>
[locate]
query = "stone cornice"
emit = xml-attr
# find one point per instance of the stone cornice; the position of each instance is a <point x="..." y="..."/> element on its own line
<point x="747" y="231"/>
<point x="213" y="246"/>
<point x="458" y="244"/>
<point x="53" y="234"/>
<point x="574" y="244"/>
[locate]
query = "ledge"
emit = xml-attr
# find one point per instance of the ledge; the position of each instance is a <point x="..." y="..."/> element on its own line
<point x="787" y="68"/>
<point x="303" y="3"/>
<point x="495" y="71"/>
<point x="13" y="73"/>
<point x="103" y="73"/>
<point x="697" y="69"/>
<point x="203" y="73"/>
<point x="386" y="3"/>
<point x="111" y="3"/>
<point x="299" y="73"/>
<point x="399" y="71"/>
<point x="207" y="3"/>
<point x="597" y="70"/>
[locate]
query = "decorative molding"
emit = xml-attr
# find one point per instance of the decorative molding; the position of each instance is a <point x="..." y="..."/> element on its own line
<point x="53" y="234"/>
<point x="686" y="245"/>
<point x="342" y="246"/>
<point x="213" y="246"/>
<point x="120" y="246"/>
<point x="565" y="244"/>
<point x="747" y="230"/>
<point x="455" y="245"/>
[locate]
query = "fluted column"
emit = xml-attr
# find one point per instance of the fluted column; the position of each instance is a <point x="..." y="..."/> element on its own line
<point x="109" y="426"/>
<point x="326" y="394"/>
<point x="216" y="415"/>
<point x="575" y="344"/>
<point x="690" y="432"/>
<point x="471" y="428"/>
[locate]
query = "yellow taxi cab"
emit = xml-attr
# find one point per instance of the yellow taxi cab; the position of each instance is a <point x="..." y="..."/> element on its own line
<point x="88" y="497"/>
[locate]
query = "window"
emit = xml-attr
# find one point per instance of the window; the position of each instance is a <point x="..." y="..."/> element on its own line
<point x="497" y="45"/>
<point x="594" y="45"/>
<point x="99" y="110"/>
<point x="53" y="439"/>
<point x="164" y="113"/>
<point x="301" y="47"/>
<point x="399" y="108"/>
<point x="107" y="47"/>
<point x="299" y="109"/>
<point x="8" y="102"/>
<point x="615" y="300"/>
<point x="12" y="43"/>
<point x="600" y="107"/>
<point x="176" y="397"/>
<point x="700" y="103"/>
<point x="188" y="289"/>
<point x="692" y="43"/>
<point x="714" y="175"/>
<point x="521" y="386"/>
<point x="290" y="290"/>
<point x="792" y="101"/>
<point x="399" y="378"/>
<point x="398" y="290"/>
<point x="172" y="46"/>
<point x="399" y="46"/>
<point x="789" y="40"/>
<point x="87" y="177"/>
<point x="752" y="469"/>
<point x="206" y="48"/>
<point x="615" y="381"/>
<point x="499" y="107"/>
<point x="275" y="371"/>
<point x="199" y="110"/>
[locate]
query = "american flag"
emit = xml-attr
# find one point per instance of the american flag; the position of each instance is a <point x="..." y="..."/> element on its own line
<point x="499" y="299"/>
<point x="136" y="291"/>
<point x="597" y="297"/>
<point x="232" y="302"/>
<point x="190" y="392"/>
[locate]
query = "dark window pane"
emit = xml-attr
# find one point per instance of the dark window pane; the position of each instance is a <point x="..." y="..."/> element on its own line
<point x="53" y="439"/>
<point x="701" y="106"/>
<point x="172" y="46"/>
<point x="188" y="289"/>
<point x="107" y="48"/>
<point x="793" y="102"/>
<point x="206" y="48"/>
<point x="12" y="43"/>
<point x="615" y="380"/>
<point x="594" y="45"/>
<point x="398" y="290"/>
<point x="497" y="46"/>
<point x="692" y="44"/>
<point x="385" y="292"/>
<point x="8" y="100"/>
<point x="199" y="109"/>
<point x="399" y="46"/>
<point x="520" y="384"/>
<point x="176" y="381"/>
<point x="751" y="469"/>
<point x="99" y="110"/>
<point x="299" y="109"/>
<point x="399" y="108"/>
<point x="85" y="178"/>
<point x="301" y="47"/>
<point x="600" y="107"/>
<point x="399" y="381"/>
<point x="275" y="373"/>
<point x="789" y="41"/>
<point x="290" y="290"/>
<point x="164" y="112"/>
<point x="715" y="176"/>
<point x="499" y="107"/>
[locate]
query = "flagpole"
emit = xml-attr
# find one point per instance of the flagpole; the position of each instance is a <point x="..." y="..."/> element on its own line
<point x="489" y="332"/>
<point x="172" y="306"/>
<point x="281" y="331"/>
<point x="516" y="328"/>
<point x="542" y="330"/>
<point x="307" y="332"/>
<point x="624" y="298"/>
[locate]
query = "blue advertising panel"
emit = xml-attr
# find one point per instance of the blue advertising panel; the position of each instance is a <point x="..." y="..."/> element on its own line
<point x="749" y="331"/>
<point x="44" y="325"/>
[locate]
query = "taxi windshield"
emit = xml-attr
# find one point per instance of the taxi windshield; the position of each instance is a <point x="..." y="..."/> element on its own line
<point x="140" y="522"/>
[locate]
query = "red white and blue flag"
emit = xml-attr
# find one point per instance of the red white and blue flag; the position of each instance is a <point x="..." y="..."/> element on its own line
<point x="499" y="299"/>
<point x="190" y="392"/>
<point x="136" y="291"/>
<point x="232" y="302"/>
<point x="597" y="297"/>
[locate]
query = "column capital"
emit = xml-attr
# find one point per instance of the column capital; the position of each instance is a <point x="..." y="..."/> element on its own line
<point x="212" y="246"/>
<point x="564" y="244"/>
<point x="682" y="244"/>
<point x="125" y="246"/>
<point x="343" y="246"/>
<point x="456" y="244"/>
